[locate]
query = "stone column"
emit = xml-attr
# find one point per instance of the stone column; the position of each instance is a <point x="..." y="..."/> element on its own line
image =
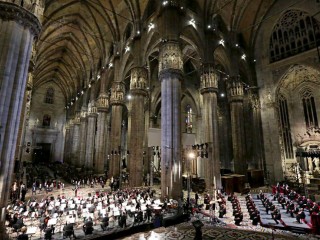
<point x="170" y="75"/>
<point x="17" y="30"/>
<point x="91" y="133"/>
<point x="67" y="142"/>
<point x="136" y="125"/>
<point x="76" y="140"/>
<point x="235" y="96"/>
<point x="83" y="136"/>
<point x="71" y="140"/>
<point x="209" y="89"/>
<point x="257" y="141"/>
<point x="102" y="124"/>
<point x="117" y="104"/>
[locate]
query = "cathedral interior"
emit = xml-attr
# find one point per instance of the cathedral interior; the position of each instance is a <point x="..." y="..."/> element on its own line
<point x="162" y="90"/>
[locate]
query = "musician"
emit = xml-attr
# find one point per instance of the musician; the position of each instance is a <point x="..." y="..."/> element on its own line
<point x="23" y="192"/>
<point x="13" y="220"/>
<point x="88" y="226"/>
<point x="23" y="235"/>
<point x="222" y="210"/>
<point x="197" y="198"/>
<point x="123" y="220"/>
<point x="19" y="224"/>
<point x="105" y="223"/>
<point x="149" y="213"/>
<point x="68" y="231"/>
<point x="300" y="215"/>
<point x="276" y="215"/>
<point x="49" y="231"/>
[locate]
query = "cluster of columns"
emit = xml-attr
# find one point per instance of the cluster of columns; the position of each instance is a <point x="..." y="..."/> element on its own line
<point x="235" y="96"/>
<point x="85" y="133"/>
<point x="171" y="75"/>
<point x="209" y="89"/>
<point x="18" y="27"/>
<point x="136" y="125"/>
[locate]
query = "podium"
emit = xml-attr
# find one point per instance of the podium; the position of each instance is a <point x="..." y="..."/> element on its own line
<point x="238" y="182"/>
<point x="227" y="184"/>
<point x="255" y="177"/>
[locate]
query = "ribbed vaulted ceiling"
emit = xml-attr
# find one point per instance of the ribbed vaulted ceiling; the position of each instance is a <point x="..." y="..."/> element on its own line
<point x="78" y="35"/>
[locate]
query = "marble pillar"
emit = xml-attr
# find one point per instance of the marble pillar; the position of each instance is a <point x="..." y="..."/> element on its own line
<point x="170" y="75"/>
<point x="18" y="28"/>
<point x="76" y="140"/>
<point x="258" y="159"/>
<point x="102" y="124"/>
<point x="117" y="104"/>
<point x="208" y="89"/>
<point x="91" y="133"/>
<point x="66" y="142"/>
<point x="235" y="96"/>
<point x="83" y="137"/>
<point x="136" y="125"/>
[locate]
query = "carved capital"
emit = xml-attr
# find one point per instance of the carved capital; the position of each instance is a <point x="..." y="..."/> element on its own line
<point x="117" y="93"/>
<point x="13" y="12"/>
<point x="170" y="57"/>
<point x="208" y="80"/>
<point x="92" y="109"/>
<point x="103" y="102"/>
<point x="235" y="89"/>
<point x="139" y="76"/>
<point x="76" y="119"/>
<point x="255" y="102"/>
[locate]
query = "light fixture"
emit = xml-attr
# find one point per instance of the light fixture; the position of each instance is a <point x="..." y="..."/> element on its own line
<point x="221" y="42"/>
<point x="254" y="60"/>
<point x="222" y="94"/>
<point x="129" y="97"/>
<point x="138" y="32"/>
<point x="110" y="65"/>
<point x="165" y="3"/>
<point x="192" y="22"/>
<point x="98" y="76"/>
<point x="150" y="26"/>
<point x="237" y="45"/>
<point x="127" y="49"/>
<point x="243" y="57"/>
<point x="191" y="155"/>
<point x="209" y="26"/>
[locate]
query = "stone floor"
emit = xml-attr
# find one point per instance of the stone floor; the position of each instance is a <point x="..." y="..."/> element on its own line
<point x="223" y="229"/>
